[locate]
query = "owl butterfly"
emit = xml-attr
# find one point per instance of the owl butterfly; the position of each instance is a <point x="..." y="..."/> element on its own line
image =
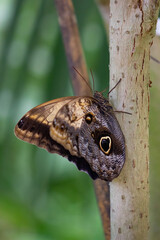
<point x="82" y="129"/>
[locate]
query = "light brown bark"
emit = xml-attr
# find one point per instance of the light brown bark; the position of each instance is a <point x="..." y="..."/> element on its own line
<point x="132" y="27"/>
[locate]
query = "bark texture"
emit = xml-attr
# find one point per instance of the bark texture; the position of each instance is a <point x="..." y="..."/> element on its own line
<point x="132" y="28"/>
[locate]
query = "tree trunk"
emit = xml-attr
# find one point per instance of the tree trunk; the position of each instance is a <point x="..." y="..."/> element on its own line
<point x="132" y="28"/>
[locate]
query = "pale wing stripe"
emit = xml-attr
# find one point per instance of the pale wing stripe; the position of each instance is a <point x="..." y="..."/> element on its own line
<point x="35" y="111"/>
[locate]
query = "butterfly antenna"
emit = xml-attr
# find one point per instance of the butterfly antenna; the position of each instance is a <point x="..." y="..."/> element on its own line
<point x="122" y="112"/>
<point x="154" y="59"/>
<point x="114" y="86"/>
<point x="104" y="90"/>
<point x="92" y="79"/>
<point x="83" y="78"/>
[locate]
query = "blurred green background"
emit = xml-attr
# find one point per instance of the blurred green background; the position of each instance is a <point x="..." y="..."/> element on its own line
<point x="43" y="196"/>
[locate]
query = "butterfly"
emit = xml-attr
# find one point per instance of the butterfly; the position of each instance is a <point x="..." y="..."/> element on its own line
<point x="82" y="129"/>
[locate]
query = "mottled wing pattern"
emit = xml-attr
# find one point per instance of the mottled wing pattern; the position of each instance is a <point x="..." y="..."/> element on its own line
<point x="67" y="122"/>
<point x="82" y="129"/>
<point x="56" y="121"/>
<point x="34" y="126"/>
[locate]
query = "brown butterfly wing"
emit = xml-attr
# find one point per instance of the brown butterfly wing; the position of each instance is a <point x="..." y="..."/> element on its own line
<point x="34" y="126"/>
<point x="74" y="128"/>
<point x="67" y="123"/>
<point x="54" y="126"/>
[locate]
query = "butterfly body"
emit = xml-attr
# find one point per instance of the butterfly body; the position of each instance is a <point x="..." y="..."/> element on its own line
<point x="82" y="129"/>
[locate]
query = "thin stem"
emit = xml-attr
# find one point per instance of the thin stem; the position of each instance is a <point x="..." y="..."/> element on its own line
<point x="75" y="57"/>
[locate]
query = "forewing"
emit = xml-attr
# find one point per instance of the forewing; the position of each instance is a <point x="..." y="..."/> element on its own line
<point x="67" y="123"/>
<point x="55" y="126"/>
<point x="34" y="126"/>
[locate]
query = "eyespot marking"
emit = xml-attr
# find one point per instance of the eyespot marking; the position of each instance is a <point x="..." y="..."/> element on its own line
<point x="105" y="144"/>
<point x="20" y="123"/>
<point x="62" y="127"/>
<point x="89" y="118"/>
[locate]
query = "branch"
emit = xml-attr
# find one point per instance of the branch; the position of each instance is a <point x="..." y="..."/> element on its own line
<point x="73" y="48"/>
<point x="75" y="57"/>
